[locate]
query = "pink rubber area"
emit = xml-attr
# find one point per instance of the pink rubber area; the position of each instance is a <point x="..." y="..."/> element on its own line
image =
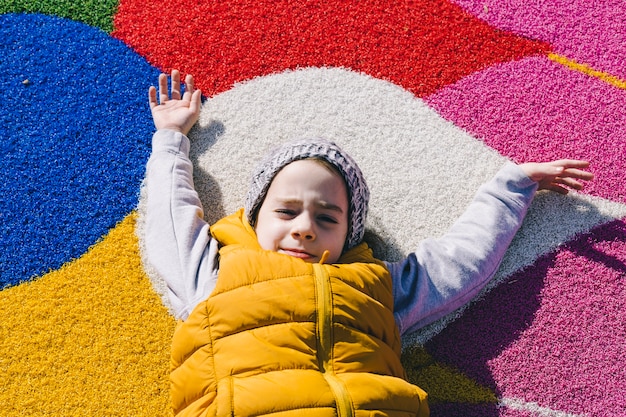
<point x="589" y="32"/>
<point x="538" y="110"/>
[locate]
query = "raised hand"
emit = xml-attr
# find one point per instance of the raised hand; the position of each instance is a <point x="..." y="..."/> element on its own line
<point x="173" y="111"/>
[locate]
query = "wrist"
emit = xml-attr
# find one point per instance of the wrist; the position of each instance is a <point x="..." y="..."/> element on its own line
<point x="173" y="128"/>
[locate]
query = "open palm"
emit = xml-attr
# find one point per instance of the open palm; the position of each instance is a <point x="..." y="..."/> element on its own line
<point x="174" y="111"/>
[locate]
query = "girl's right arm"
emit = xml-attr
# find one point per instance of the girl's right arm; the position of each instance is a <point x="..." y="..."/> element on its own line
<point x="177" y="240"/>
<point x="178" y="244"/>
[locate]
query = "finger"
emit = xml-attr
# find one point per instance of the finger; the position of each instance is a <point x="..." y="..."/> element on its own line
<point x="577" y="173"/>
<point x="163" y="96"/>
<point x="195" y="101"/>
<point x="189" y="87"/>
<point x="571" y="163"/>
<point x="175" y="85"/>
<point x="569" y="182"/>
<point x="152" y="97"/>
<point x="556" y="188"/>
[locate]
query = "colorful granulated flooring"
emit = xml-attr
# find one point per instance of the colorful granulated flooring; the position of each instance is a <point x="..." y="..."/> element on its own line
<point x="431" y="97"/>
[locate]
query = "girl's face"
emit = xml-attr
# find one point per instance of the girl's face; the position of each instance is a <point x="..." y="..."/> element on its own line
<point x="305" y="212"/>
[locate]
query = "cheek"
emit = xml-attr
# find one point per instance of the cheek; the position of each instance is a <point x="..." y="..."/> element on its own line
<point x="336" y="250"/>
<point x="336" y="243"/>
<point x="266" y="235"/>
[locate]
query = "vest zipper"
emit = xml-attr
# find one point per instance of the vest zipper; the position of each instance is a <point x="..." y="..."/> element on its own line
<point x="325" y="341"/>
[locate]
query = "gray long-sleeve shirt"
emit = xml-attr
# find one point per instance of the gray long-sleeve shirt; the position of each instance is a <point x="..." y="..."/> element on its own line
<point x="441" y="275"/>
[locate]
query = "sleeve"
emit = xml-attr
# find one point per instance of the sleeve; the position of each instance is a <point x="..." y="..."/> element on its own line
<point x="177" y="239"/>
<point x="445" y="273"/>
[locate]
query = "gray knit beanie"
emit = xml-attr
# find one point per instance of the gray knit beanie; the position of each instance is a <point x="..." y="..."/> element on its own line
<point x="358" y="193"/>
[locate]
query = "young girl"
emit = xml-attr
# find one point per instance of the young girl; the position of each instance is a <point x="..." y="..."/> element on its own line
<point x="282" y="307"/>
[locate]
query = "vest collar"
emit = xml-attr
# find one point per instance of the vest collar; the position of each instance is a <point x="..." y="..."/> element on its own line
<point x="235" y="230"/>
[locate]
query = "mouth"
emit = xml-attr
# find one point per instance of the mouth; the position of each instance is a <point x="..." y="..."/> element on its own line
<point x="297" y="253"/>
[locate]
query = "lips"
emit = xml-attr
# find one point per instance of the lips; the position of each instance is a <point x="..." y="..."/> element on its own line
<point x="297" y="253"/>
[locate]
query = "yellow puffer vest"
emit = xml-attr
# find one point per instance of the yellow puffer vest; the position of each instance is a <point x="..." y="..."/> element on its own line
<point x="284" y="337"/>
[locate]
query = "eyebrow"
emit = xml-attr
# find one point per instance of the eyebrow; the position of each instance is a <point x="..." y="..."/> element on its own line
<point x="322" y="204"/>
<point x="329" y="206"/>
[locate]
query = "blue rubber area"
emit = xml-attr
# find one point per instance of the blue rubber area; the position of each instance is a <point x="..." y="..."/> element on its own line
<point x="75" y="131"/>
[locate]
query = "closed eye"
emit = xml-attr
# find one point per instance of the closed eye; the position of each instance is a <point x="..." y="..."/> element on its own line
<point x="328" y="219"/>
<point x="285" y="213"/>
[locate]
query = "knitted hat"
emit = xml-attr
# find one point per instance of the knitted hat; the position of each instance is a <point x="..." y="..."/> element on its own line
<point x="358" y="193"/>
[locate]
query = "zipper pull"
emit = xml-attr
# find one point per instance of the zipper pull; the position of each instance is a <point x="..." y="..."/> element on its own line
<point x="325" y="256"/>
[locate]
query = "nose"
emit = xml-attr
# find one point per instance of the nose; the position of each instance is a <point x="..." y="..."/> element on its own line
<point x="303" y="228"/>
